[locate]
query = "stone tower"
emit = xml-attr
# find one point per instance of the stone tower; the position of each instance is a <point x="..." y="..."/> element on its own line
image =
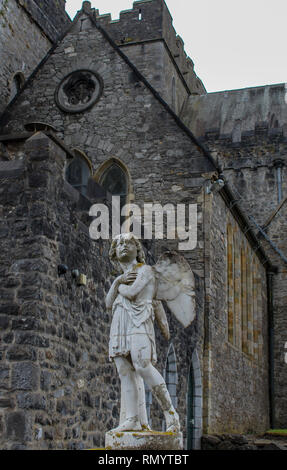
<point x="146" y="35"/>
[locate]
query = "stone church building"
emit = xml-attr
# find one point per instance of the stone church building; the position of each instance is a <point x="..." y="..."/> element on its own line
<point x="94" y="108"/>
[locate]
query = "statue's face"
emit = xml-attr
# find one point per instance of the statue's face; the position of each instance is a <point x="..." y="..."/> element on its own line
<point x="126" y="249"/>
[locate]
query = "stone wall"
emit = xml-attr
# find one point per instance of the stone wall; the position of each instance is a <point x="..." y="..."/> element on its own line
<point x="49" y="15"/>
<point x="277" y="233"/>
<point x="22" y="48"/>
<point x="58" y="389"/>
<point x="146" y="35"/>
<point x="249" y="165"/>
<point x="54" y="333"/>
<point x="129" y="122"/>
<point x="233" y="113"/>
<point x="151" y="20"/>
<point x="154" y="62"/>
<point x="221" y="442"/>
<point x="235" y="379"/>
<point x="28" y="28"/>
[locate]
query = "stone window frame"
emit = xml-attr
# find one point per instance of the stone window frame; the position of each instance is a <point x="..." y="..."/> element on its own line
<point x="78" y="108"/>
<point x="244" y="302"/>
<point x="197" y="401"/>
<point x="148" y="398"/>
<point x="171" y="386"/>
<point x="79" y="155"/>
<point x="171" y="375"/>
<point x="17" y="80"/>
<point x="103" y="168"/>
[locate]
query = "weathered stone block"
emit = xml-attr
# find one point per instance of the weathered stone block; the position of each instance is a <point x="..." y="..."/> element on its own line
<point x="210" y="442"/>
<point x="26" y="324"/>
<point x="32" y="339"/>
<point x="16" y="426"/>
<point x="227" y="445"/>
<point x="6" y="402"/>
<point x="8" y="338"/>
<point x="38" y="180"/>
<point x="70" y="334"/>
<point x="65" y="407"/>
<point x="25" y="376"/>
<point x="4" y="322"/>
<point x="29" y="293"/>
<point x="31" y="401"/>
<point x="45" y="380"/>
<point x="147" y="440"/>
<point x="9" y="308"/>
<point x="4" y="375"/>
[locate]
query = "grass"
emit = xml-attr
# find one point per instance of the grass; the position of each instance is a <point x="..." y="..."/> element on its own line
<point x="281" y="432"/>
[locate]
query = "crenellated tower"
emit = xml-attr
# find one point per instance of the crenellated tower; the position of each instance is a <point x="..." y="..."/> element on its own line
<point x="146" y="35"/>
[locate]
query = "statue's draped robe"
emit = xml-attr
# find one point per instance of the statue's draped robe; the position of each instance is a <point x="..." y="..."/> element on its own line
<point x="134" y="316"/>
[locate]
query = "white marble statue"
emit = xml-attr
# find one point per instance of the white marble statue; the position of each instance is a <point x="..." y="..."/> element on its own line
<point x="135" y="301"/>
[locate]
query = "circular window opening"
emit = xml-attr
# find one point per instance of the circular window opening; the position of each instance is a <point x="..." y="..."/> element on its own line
<point x="78" y="91"/>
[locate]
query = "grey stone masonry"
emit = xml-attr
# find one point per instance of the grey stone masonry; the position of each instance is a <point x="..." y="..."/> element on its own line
<point x="58" y="389"/>
<point x="56" y="332"/>
<point x="148" y="21"/>
<point x="235" y="383"/>
<point x="49" y="15"/>
<point x="250" y="167"/>
<point x="240" y="442"/>
<point x="146" y="35"/>
<point x="233" y="114"/>
<point x="28" y="28"/>
<point x="22" y="48"/>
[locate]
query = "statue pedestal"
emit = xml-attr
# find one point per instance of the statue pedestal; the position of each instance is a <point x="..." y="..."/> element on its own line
<point x="143" y="440"/>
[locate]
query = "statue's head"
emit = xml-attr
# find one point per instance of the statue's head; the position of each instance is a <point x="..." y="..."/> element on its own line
<point x="126" y="247"/>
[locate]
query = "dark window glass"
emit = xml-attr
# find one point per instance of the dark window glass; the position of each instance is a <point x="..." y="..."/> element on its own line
<point x="171" y="376"/>
<point x="114" y="180"/>
<point x="17" y="84"/>
<point x="77" y="174"/>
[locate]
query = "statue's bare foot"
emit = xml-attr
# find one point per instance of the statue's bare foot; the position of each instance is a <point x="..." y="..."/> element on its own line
<point x="172" y="420"/>
<point x="130" y="424"/>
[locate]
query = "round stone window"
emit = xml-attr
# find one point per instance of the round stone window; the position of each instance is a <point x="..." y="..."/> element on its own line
<point x="79" y="91"/>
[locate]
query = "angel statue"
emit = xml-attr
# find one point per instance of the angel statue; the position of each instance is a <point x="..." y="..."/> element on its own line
<point x="134" y="299"/>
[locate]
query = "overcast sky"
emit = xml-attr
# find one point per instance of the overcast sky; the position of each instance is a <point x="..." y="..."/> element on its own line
<point x="233" y="44"/>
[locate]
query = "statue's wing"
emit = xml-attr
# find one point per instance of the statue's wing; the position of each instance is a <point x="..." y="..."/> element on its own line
<point x="175" y="285"/>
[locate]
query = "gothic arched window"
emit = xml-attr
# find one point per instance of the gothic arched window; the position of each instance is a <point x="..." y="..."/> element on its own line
<point x="171" y="379"/>
<point x="78" y="173"/>
<point x="148" y="400"/>
<point x="114" y="180"/>
<point x="16" y="84"/>
<point x="171" y="375"/>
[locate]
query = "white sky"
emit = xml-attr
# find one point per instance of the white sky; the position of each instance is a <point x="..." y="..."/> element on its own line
<point x="233" y="43"/>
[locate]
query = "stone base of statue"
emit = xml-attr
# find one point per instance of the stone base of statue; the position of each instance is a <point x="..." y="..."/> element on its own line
<point x="143" y="440"/>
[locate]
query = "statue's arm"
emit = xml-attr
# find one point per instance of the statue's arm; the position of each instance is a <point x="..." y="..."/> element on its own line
<point x="112" y="294"/>
<point x="142" y="279"/>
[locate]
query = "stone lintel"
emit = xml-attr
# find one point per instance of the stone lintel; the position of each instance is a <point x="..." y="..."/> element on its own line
<point x="11" y="168"/>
